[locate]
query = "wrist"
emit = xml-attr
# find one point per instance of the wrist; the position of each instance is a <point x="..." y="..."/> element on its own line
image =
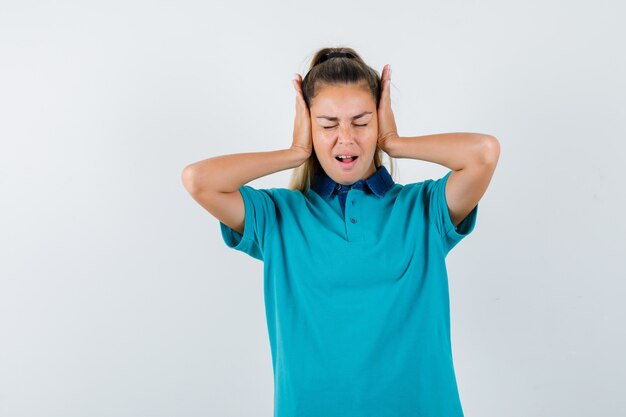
<point x="390" y="145"/>
<point x="301" y="154"/>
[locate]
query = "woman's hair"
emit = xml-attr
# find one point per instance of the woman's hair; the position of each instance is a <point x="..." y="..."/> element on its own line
<point x="350" y="69"/>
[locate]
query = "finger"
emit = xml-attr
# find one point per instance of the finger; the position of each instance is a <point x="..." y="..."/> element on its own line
<point x="386" y="81"/>
<point x="296" y="87"/>
<point x="387" y="76"/>
<point x="296" y="84"/>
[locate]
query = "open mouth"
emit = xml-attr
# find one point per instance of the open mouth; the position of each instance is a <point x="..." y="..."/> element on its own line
<point x="346" y="163"/>
<point x="347" y="160"/>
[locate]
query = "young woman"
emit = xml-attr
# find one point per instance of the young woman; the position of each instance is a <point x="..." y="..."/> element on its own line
<point x="356" y="287"/>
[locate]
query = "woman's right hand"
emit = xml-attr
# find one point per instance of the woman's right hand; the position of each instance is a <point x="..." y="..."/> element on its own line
<point x="302" y="138"/>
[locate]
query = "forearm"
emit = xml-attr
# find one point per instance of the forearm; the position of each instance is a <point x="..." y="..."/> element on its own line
<point x="453" y="150"/>
<point x="228" y="173"/>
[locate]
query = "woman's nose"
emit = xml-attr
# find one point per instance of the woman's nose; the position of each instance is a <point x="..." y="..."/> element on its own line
<point x="345" y="135"/>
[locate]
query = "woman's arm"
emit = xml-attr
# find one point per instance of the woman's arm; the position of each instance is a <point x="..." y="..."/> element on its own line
<point x="472" y="156"/>
<point x="228" y="173"/>
<point x="215" y="182"/>
<point x="453" y="150"/>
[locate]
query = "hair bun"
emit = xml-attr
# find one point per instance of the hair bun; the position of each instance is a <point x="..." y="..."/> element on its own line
<point x="335" y="54"/>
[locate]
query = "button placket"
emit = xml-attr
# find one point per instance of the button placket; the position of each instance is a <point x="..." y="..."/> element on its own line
<point x="353" y="215"/>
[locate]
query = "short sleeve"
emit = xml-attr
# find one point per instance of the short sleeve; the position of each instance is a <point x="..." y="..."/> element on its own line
<point x="260" y="219"/>
<point x="439" y="214"/>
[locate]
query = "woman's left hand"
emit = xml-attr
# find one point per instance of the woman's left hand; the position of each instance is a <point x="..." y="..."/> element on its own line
<point x="387" y="131"/>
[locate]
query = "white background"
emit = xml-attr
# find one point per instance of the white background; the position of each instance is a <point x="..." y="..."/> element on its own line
<point x="118" y="296"/>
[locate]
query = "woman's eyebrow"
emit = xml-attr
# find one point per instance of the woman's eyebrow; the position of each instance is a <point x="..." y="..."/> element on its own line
<point x="336" y="118"/>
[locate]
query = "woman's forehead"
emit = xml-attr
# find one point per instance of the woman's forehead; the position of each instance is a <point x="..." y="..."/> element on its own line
<point x="335" y="118"/>
<point x="346" y="102"/>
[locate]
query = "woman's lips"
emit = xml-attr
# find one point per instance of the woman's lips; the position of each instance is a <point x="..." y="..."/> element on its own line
<point x="347" y="165"/>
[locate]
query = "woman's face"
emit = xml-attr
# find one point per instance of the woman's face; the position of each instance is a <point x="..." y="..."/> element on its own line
<point x="344" y="122"/>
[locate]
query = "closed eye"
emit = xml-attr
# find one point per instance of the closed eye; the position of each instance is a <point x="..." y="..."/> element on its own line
<point x="330" y="127"/>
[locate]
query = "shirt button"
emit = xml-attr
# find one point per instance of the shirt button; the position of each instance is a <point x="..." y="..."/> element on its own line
<point x="352" y="219"/>
<point x="338" y="186"/>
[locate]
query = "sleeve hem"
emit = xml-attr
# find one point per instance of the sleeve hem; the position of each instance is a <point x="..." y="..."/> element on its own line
<point x="465" y="227"/>
<point x="248" y="232"/>
<point x="467" y="224"/>
<point x="233" y="238"/>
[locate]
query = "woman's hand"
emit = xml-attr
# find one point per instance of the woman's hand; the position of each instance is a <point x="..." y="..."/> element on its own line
<point x="387" y="131"/>
<point x="302" y="139"/>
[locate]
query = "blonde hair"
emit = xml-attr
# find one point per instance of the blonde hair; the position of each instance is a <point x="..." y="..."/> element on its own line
<point x="350" y="69"/>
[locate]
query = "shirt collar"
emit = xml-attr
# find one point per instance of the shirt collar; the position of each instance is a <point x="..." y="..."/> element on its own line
<point x="378" y="183"/>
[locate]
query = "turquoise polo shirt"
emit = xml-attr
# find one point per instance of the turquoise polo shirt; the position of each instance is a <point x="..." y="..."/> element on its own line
<point x="356" y="301"/>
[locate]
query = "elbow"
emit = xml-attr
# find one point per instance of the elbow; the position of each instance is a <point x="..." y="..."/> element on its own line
<point x="187" y="178"/>
<point x="490" y="150"/>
